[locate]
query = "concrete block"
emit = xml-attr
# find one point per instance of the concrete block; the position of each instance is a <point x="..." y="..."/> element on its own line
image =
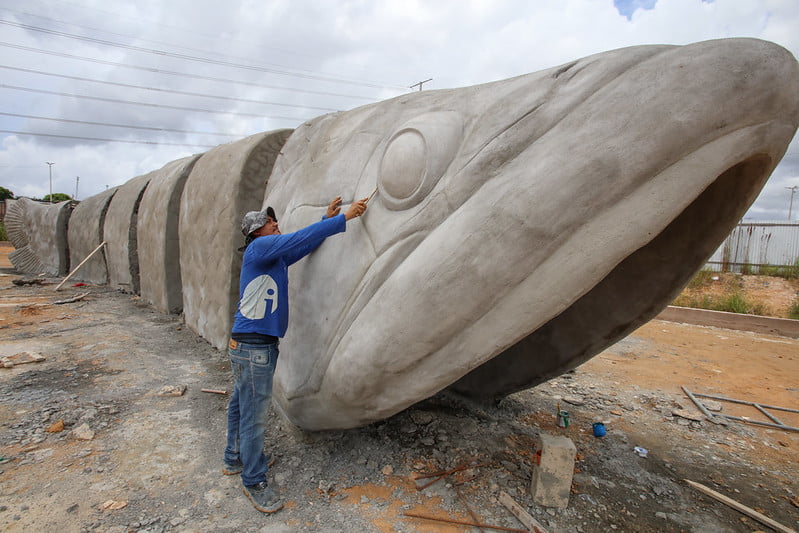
<point x="159" y="249"/>
<point x="552" y="477"/>
<point x="120" y="235"/>
<point x="224" y="183"/>
<point x="46" y="252"/>
<point x="85" y="233"/>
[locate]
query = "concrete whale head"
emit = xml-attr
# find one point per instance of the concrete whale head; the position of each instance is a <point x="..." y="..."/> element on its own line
<point x="520" y="226"/>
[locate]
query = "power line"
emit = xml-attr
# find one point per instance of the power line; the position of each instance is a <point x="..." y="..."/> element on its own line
<point x="35" y="134"/>
<point x="182" y="74"/>
<point x="93" y="30"/>
<point x="158" y="89"/>
<point x="198" y="59"/>
<point x="126" y="126"/>
<point x="163" y="106"/>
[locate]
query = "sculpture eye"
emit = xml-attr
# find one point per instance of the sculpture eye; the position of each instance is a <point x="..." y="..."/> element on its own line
<point x="416" y="156"/>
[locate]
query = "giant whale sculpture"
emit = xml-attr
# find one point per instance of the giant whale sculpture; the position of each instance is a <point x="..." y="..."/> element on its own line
<point x="519" y="227"/>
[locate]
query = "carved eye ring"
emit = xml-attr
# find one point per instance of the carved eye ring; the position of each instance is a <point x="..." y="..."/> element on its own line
<point x="416" y="156"/>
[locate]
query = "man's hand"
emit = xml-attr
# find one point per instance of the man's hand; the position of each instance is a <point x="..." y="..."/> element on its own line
<point x="334" y="208"/>
<point x="356" y="209"/>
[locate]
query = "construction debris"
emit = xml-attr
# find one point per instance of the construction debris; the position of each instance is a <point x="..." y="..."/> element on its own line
<point x="518" y="511"/>
<point x="461" y="522"/>
<point x="71" y="300"/>
<point x="21" y="358"/>
<point x="763" y="519"/>
<point x="172" y="390"/>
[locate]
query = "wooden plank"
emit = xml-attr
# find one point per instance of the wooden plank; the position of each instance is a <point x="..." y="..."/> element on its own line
<point x="763" y="519"/>
<point x="80" y="265"/>
<point x="518" y="511"/>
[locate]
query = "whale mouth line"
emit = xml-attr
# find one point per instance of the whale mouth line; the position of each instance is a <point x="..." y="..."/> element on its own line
<point x="611" y="309"/>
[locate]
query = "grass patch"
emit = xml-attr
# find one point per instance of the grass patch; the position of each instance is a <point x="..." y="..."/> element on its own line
<point x="731" y="301"/>
<point x="793" y="312"/>
<point x="701" y="279"/>
<point x="785" y="272"/>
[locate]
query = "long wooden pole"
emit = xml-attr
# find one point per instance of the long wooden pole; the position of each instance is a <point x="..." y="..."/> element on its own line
<point x="80" y="265"/>
<point x="740" y="507"/>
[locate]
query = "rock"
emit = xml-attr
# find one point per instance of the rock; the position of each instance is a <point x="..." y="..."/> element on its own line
<point x="113" y="505"/>
<point x="661" y="514"/>
<point x="574" y="400"/>
<point x="409" y="428"/>
<point x="83" y="432"/>
<point x="421" y="418"/>
<point x="387" y="470"/>
<point x="58" y="427"/>
<point x="690" y="415"/>
<point x="711" y="405"/>
<point x="172" y="390"/>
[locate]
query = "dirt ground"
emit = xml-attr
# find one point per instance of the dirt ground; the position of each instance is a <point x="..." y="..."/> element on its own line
<point x="119" y="457"/>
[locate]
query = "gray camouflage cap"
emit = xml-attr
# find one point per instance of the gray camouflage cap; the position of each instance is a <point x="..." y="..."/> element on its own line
<point x="255" y="219"/>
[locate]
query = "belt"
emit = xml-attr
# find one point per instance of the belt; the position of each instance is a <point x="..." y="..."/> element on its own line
<point x="253" y="338"/>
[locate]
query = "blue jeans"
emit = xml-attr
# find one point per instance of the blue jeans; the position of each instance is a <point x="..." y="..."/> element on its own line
<point x="253" y="366"/>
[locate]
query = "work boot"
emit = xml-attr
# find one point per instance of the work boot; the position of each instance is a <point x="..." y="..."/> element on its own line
<point x="231" y="469"/>
<point x="263" y="497"/>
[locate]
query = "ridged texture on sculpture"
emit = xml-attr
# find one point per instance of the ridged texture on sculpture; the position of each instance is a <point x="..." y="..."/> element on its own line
<point x="520" y="227"/>
<point x="38" y="231"/>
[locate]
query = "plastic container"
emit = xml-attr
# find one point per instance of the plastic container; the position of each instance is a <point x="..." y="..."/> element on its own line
<point x="563" y="419"/>
<point x="599" y="429"/>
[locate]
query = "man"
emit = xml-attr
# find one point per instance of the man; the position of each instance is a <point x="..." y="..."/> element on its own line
<point x="261" y="319"/>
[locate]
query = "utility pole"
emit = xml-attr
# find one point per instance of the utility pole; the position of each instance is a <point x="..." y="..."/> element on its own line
<point x="420" y="83"/>
<point x="790" y="205"/>
<point x="51" y="180"/>
<point x="77" y="180"/>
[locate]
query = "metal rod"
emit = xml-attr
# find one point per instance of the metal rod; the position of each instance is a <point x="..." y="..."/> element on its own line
<point x="462" y="523"/>
<point x="759" y="423"/>
<point x="473" y="516"/>
<point x="772" y="417"/>
<point x="698" y="404"/>
<point x="733" y="400"/>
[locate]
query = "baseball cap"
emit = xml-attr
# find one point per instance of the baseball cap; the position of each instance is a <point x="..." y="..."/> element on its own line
<point x="255" y="219"/>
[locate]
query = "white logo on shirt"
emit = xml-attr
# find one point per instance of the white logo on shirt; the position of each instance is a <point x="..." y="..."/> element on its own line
<point x="257" y="294"/>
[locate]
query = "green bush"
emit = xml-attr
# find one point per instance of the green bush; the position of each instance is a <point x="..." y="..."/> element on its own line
<point x="793" y="312"/>
<point x="786" y="272"/>
<point x="3" y="234"/>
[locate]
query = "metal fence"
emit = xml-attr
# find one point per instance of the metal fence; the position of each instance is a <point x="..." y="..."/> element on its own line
<point x="754" y="245"/>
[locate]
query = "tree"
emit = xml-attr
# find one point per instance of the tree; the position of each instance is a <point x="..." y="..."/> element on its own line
<point x="5" y="194"/>
<point x="57" y="197"/>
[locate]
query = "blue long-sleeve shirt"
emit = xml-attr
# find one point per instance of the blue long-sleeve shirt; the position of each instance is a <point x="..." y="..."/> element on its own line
<point x="264" y="284"/>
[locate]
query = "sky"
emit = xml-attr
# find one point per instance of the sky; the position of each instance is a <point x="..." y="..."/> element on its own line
<point x="109" y="90"/>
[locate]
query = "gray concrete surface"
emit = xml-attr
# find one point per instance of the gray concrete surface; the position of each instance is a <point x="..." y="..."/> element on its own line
<point x="120" y="234"/>
<point x="483" y="262"/>
<point x="225" y="183"/>
<point x="85" y="233"/>
<point x="159" y="255"/>
<point x="39" y="234"/>
<point x="520" y="227"/>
